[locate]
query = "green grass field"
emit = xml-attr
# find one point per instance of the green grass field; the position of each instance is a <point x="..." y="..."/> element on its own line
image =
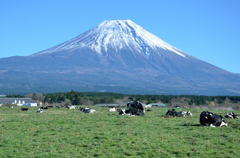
<point x="71" y="133"/>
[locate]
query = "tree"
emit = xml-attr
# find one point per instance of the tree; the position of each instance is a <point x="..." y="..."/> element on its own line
<point x="46" y="99"/>
<point x="77" y="100"/>
<point x="38" y="97"/>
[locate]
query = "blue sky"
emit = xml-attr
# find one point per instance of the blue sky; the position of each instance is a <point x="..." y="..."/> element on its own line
<point x="207" y="30"/>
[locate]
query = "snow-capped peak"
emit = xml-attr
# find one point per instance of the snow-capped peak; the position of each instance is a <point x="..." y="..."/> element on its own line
<point x="116" y="34"/>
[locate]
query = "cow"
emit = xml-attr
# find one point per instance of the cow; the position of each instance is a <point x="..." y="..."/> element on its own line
<point x="50" y="106"/>
<point x="133" y="108"/>
<point x="231" y="115"/>
<point x="171" y="112"/>
<point x="135" y="105"/>
<point x="124" y="112"/>
<point x="212" y="120"/>
<point x="112" y="110"/>
<point x="183" y="114"/>
<point x="121" y="111"/>
<point x="81" y="108"/>
<point x="24" y="109"/>
<point x="44" y="107"/>
<point x="71" y="107"/>
<point x="39" y="110"/>
<point x="87" y="110"/>
<point x="11" y="107"/>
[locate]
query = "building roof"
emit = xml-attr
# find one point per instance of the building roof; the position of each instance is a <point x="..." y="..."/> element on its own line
<point x="10" y="100"/>
<point x="157" y="104"/>
<point x="107" y="105"/>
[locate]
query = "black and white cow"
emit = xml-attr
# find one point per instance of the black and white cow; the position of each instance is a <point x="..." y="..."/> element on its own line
<point x="39" y="110"/>
<point x="71" y="107"/>
<point x="213" y="120"/>
<point x="184" y="113"/>
<point x="171" y="112"/>
<point x="10" y="107"/>
<point x="24" y="109"/>
<point x="124" y="112"/>
<point x="133" y="108"/>
<point x="231" y="115"/>
<point x="87" y="110"/>
<point x="81" y="108"/>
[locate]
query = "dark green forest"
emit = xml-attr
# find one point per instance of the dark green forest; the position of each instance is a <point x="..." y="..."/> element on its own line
<point x="77" y="98"/>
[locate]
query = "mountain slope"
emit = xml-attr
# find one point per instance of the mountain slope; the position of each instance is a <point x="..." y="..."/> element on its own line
<point x="118" y="56"/>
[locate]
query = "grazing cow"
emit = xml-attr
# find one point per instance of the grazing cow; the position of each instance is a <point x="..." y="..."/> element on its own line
<point x="231" y="115"/>
<point x="111" y="110"/>
<point x="171" y="112"/>
<point x="39" y="110"/>
<point x="44" y="107"/>
<point x="72" y="107"/>
<point x="134" y="108"/>
<point x="24" y="109"/>
<point x="212" y="120"/>
<point x="183" y="114"/>
<point x="11" y="107"/>
<point x="50" y="106"/>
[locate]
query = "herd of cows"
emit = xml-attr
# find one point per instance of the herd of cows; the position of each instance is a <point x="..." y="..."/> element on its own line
<point x="135" y="108"/>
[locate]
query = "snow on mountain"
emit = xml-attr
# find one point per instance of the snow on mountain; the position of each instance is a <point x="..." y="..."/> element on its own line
<point x="117" y="34"/>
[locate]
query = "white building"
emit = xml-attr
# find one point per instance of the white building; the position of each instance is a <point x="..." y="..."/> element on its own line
<point x="18" y="101"/>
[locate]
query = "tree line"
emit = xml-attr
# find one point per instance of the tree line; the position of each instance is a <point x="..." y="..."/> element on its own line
<point x="82" y="98"/>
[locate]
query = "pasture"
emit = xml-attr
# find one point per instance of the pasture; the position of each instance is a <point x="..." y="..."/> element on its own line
<point x="71" y="133"/>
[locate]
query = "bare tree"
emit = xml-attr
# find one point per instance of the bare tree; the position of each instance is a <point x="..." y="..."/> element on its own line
<point x="38" y="97"/>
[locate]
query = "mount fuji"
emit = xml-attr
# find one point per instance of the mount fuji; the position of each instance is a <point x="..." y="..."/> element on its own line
<point x="115" y="56"/>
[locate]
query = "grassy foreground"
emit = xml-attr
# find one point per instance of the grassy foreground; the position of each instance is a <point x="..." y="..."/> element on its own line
<point x="71" y="133"/>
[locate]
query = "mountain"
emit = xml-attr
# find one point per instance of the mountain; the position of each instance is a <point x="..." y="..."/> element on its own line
<point x="115" y="56"/>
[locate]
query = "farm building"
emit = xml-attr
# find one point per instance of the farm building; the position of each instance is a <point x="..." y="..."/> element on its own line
<point x="108" y="105"/>
<point x="18" y="101"/>
<point x="3" y="95"/>
<point x="158" y="105"/>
